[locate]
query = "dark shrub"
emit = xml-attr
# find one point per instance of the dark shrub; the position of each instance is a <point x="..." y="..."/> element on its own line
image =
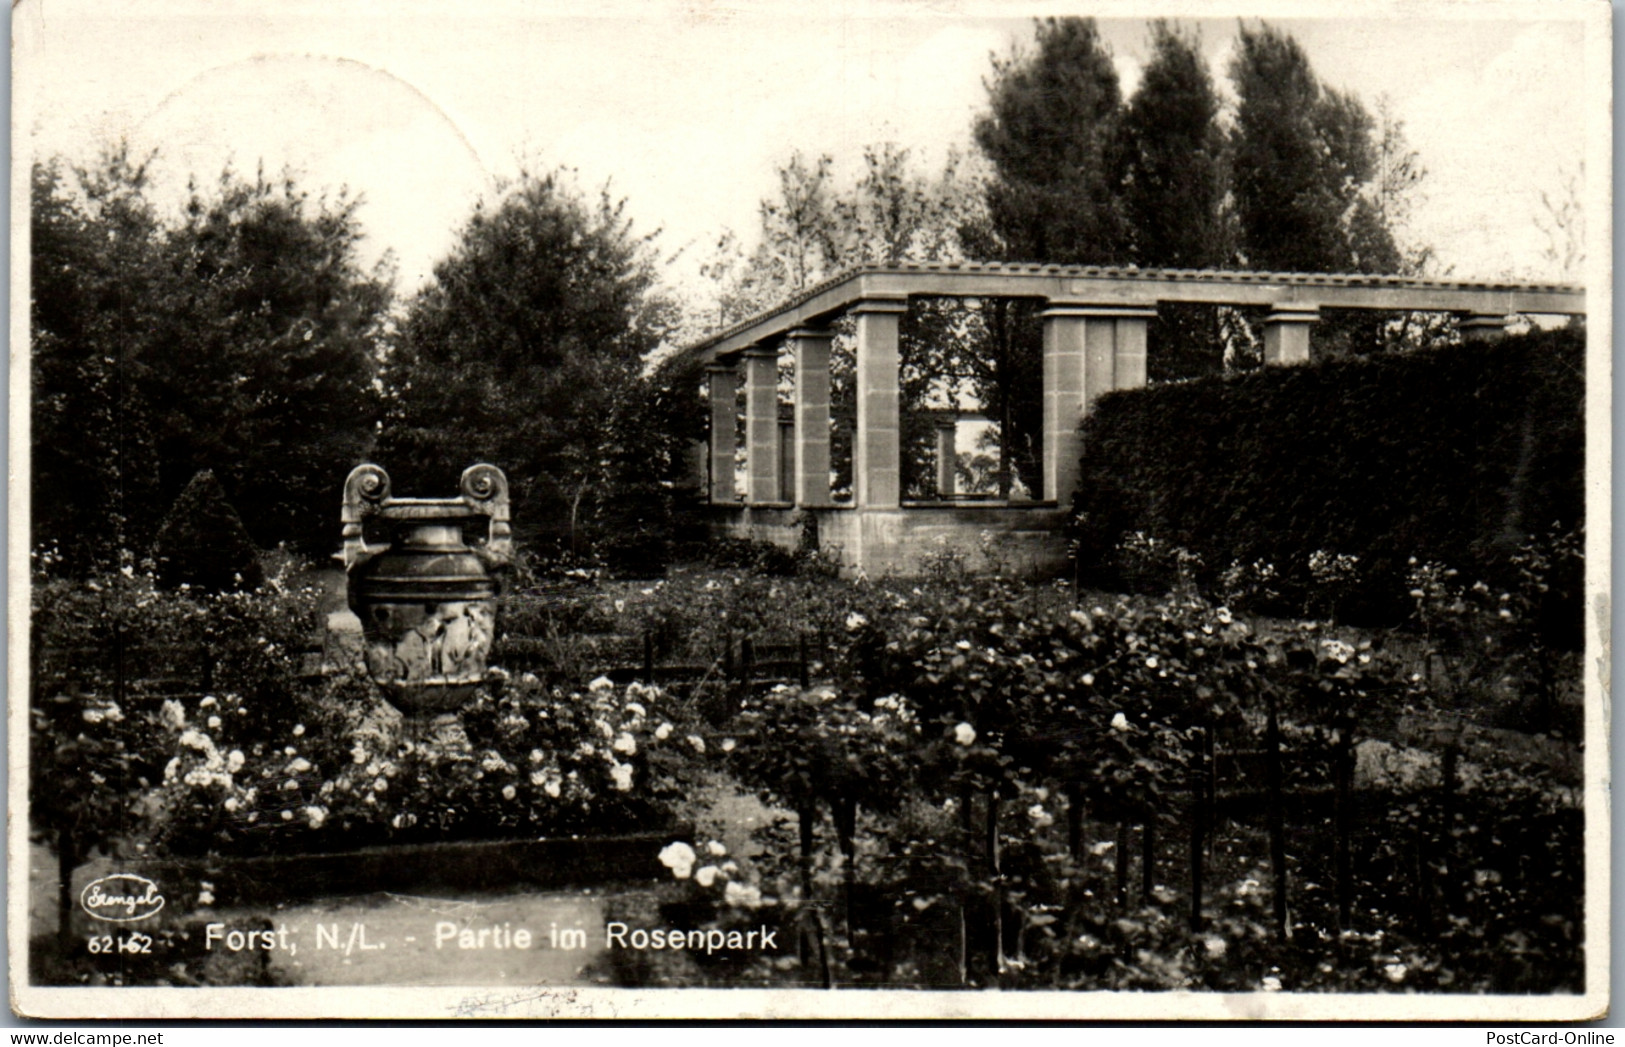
<point x="1457" y="455"/>
<point x="202" y="541"/>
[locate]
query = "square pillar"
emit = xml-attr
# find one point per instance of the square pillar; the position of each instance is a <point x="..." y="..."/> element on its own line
<point x="876" y="464"/>
<point x="723" y="393"/>
<point x="947" y="458"/>
<point x="1088" y="350"/>
<point x="1483" y="327"/>
<point x="1286" y="333"/>
<point x="810" y="488"/>
<point x="761" y="424"/>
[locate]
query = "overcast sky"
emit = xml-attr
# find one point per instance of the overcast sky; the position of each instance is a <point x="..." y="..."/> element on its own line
<point x="688" y="108"/>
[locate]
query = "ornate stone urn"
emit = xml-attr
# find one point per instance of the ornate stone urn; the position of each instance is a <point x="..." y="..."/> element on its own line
<point x="425" y="596"/>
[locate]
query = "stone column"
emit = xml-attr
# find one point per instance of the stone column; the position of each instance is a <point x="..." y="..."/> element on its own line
<point x="876" y="471"/>
<point x="787" y="461"/>
<point x="723" y="381"/>
<point x="811" y="486"/>
<point x="761" y="424"/>
<point x="947" y="457"/>
<point x="1286" y="333"/>
<point x="1088" y="350"/>
<point x="1483" y="327"/>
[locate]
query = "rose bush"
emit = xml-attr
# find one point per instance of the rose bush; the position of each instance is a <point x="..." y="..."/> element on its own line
<point x="540" y="762"/>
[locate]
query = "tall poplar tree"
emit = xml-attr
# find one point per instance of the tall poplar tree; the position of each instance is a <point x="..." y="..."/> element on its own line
<point x="1174" y="175"/>
<point x="1050" y="133"/>
<point x="1305" y="165"/>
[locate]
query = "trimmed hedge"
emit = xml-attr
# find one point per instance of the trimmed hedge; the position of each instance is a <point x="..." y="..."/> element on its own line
<point x="1457" y="455"/>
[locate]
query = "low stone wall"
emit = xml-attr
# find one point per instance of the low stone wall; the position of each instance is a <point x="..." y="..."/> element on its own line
<point x="1024" y="540"/>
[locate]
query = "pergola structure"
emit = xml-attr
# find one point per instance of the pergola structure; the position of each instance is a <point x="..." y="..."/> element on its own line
<point x="1095" y="322"/>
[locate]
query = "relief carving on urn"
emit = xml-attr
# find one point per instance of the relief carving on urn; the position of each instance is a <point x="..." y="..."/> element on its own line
<point x="425" y="596"/>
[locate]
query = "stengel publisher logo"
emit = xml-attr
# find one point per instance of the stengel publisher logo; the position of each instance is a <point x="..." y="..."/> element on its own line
<point x="121" y="898"/>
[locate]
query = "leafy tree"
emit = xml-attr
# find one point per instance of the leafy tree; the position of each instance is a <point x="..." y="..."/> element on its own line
<point x="1174" y="164"/>
<point x="240" y="337"/>
<point x="271" y="352"/>
<point x="1304" y="159"/>
<point x="1050" y="134"/>
<point x="816" y="227"/>
<point x="525" y="350"/>
<point x="93" y="293"/>
<point x="1175" y="172"/>
<point x="1303" y="170"/>
<point x="1562" y="221"/>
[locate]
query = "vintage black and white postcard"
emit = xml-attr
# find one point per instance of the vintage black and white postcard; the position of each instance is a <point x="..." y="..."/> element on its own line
<point x="725" y="509"/>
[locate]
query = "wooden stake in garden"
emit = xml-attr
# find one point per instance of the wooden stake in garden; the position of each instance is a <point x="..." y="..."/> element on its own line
<point x="1447" y="811"/>
<point x="1344" y="788"/>
<point x="810" y="940"/>
<point x="1199" y="776"/>
<point x="845" y="812"/>
<point x="1122" y="859"/>
<point x="1277" y="815"/>
<point x="1148" y="856"/>
<point x="994" y="878"/>
<point x="1074" y="821"/>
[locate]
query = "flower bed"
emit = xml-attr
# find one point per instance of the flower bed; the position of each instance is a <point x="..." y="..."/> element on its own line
<point x="986" y="784"/>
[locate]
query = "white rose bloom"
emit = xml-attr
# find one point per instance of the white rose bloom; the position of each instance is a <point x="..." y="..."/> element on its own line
<point x="662" y="732"/>
<point x="698" y="743"/>
<point x="235" y="760"/>
<point x="716" y="849"/>
<point x="855" y="621"/>
<point x="965" y="734"/>
<point x="1120" y="723"/>
<point x="706" y="875"/>
<point x="600" y="685"/>
<point x="625" y="744"/>
<point x="636" y="709"/>
<point x="745" y="895"/>
<point x="679" y="858"/>
<point x="622" y="774"/>
<point x="509" y="792"/>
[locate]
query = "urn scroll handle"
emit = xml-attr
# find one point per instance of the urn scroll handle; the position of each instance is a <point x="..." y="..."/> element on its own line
<point x="366" y="490"/>
<point x="485" y="491"/>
